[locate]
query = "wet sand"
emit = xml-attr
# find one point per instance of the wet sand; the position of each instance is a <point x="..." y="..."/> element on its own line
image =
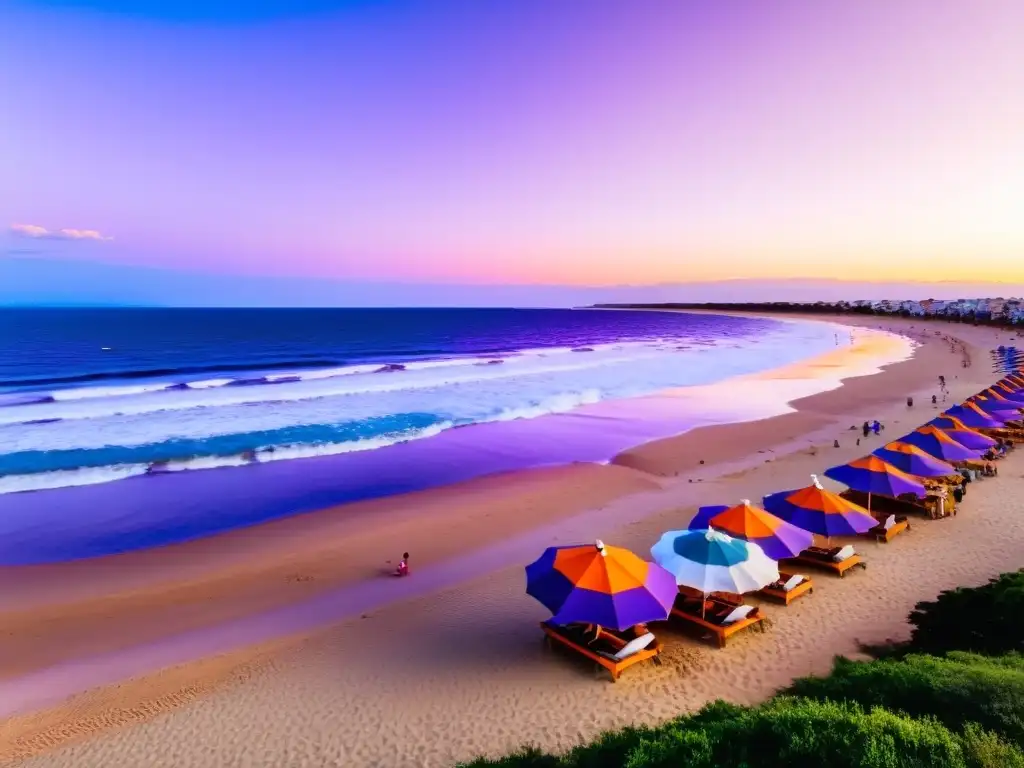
<point x="410" y="675"/>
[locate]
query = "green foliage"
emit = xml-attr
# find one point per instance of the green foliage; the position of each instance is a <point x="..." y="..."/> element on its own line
<point x="786" y="732"/>
<point x="984" y="749"/>
<point x="528" y="757"/>
<point x="957" y="689"/>
<point x="986" y="619"/>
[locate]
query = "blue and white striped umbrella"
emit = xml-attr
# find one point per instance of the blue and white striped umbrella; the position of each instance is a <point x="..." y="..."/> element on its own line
<point x="711" y="561"/>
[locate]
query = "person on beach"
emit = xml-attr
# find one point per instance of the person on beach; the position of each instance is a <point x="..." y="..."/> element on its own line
<point x="403" y="566"/>
<point x="876" y="427"/>
<point x="866" y="429"/>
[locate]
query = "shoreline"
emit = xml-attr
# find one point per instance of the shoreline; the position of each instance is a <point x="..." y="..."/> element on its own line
<point x="134" y="467"/>
<point x="739" y="448"/>
<point x="178" y="507"/>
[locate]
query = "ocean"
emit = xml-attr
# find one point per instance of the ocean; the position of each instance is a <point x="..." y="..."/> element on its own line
<point x="123" y="407"/>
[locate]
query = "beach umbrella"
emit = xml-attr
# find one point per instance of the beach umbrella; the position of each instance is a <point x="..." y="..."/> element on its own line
<point x="774" y="535"/>
<point x="595" y="584"/>
<point x="1010" y="391"/>
<point x="1003" y="414"/>
<point x="995" y="403"/>
<point x="820" y="511"/>
<point x="973" y="418"/>
<point x="711" y="561"/>
<point x="912" y="460"/>
<point x="1015" y="398"/>
<point x="703" y="517"/>
<point x="872" y="475"/>
<point x="963" y="434"/>
<point x="939" y="444"/>
<point x="1002" y="409"/>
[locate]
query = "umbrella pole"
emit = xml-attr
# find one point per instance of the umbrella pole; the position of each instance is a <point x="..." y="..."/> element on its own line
<point x="869" y="502"/>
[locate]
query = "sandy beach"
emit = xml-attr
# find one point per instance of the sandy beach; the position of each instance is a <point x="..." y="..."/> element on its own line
<point x="287" y="644"/>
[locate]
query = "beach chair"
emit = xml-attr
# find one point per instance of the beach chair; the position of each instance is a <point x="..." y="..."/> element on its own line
<point x="887" y="505"/>
<point x="720" y="598"/>
<point x="720" y="618"/>
<point x="839" y="560"/>
<point x="788" y="588"/>
<point x="609" y="651"/>
<point x="892" y="526"/>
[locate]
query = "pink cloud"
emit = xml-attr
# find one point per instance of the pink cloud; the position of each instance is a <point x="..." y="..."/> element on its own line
<point x="42" y="233"/>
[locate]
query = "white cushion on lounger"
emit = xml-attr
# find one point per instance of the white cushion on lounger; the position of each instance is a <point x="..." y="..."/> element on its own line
<point x="793" y="583"/>
<point x="739" y="613"/>
<point x="844" y="554"/>
<point x="633" y="646"/>
<point x="890" y="521"/>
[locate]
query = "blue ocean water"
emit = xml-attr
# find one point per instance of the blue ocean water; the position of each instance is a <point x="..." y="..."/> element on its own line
<point x="97" y="395"/>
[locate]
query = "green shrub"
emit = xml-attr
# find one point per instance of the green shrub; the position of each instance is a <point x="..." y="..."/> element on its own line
<point x="962" y="688"/>
<point x="528" y="757"/>
<point x="984" y="619"/>
<point x="984" y="749"/>
<point x="788" y="732"/>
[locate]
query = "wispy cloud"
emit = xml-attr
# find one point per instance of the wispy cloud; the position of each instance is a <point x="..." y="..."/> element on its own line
<point x="36" y="232"/>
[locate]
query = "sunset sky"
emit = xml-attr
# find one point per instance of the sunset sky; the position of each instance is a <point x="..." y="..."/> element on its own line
<point x="517" y="141"/>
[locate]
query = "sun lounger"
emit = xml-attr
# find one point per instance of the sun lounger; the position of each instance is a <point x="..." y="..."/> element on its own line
<point x="886" y="505"/>
<point x="721" y="618"/>
<point x="892" y="526"/>
<point x="723" y="598"/>
<point x="788" y="588"/>
<point x="608" y="651"/>
<point x="839" y="560"/>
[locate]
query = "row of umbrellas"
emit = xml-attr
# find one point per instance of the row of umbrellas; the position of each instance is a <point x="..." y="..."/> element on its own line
<point x="736" y="549"/>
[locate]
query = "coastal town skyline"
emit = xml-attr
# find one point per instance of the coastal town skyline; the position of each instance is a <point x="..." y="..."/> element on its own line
<point x="509" y="144"/>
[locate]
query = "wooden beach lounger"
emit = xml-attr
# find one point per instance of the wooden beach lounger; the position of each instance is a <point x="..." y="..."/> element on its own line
<point x="886" y="505"/>
<point x="838" y="559"/>
<point x="788" y="588"/>
<point x="608" y="650"/>
<point x="891" y="527"/>
<point x="721" y="618"/>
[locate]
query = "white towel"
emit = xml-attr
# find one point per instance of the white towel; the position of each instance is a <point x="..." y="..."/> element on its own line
<point x="793" y="582"/>
<point x="844" y="554"/>
<point x="739" y="613"/>
<point x="634" y="646"/>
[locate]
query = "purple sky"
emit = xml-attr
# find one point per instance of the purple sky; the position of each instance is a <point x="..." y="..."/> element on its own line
<point x="518" y="141"/>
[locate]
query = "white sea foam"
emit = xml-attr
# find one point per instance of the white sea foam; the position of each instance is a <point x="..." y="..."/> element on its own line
<point x="95" y="475"/>
<point x="41" y="481"/>
<point x="124" y="390"/>
<point x="556" y="404"/>
<point x="209" y="383"/>
<point x="429" y="375"/>
<point x="529" y="383"/>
